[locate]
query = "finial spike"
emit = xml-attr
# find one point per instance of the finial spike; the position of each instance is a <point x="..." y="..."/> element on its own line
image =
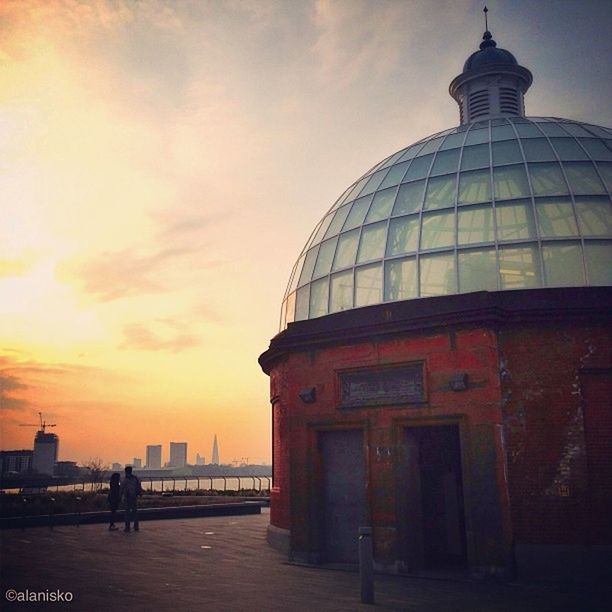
<point x="485" y="10"/>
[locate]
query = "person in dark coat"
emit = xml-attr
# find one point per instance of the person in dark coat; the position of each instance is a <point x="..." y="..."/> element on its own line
<point x="114" y="497"/>
<point x="131" y="490"/>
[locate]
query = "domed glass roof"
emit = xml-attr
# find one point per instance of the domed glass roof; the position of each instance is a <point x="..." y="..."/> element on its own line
<point x="507" y="203"/>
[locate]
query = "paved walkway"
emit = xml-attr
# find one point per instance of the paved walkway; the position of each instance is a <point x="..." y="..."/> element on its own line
<point x="223" y="564"/>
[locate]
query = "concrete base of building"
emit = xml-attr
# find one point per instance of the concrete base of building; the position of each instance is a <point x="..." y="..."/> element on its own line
<point x="571" y="565"/>
<point x="279" y="539"/>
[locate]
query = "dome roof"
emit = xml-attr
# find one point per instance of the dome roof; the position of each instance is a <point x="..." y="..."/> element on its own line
<point x="507" y="203"/>
<point x="489" y="55"/>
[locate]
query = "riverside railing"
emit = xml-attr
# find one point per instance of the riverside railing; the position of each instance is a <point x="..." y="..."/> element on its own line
<point x="163" y="484"/>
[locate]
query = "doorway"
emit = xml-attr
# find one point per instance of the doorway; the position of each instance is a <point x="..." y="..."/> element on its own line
<point x="431" y="488"/>
<point x="343" y="495"/>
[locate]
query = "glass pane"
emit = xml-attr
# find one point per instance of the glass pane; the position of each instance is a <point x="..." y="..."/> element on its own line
<point x="323" y="228"/>
<point x="347" y="249"/>
<point x="527" y="130"/>
<point x="302" y="303"/>
<point x="341" y="291"/>
<point x="326" y="255"/>
<point x="375" y="180"/>
<point x="606" y="172"/>
<point x="547" y="179"/>
<point x="395" y="175"/>
<point x="563" y="264"/>
<point x="597" y="148"/>
<point x="538" y="149"/>
<point x="441" y="192"/>
<point x="438" y="275"/>
<point x="339" y="218"/>
<point x="309" y="262"/>
<point x="477" y="136"/>
<point x="510" y="182"/>
<point x="289" y="308"/>
<point x="357" y="188"/>
<point x="583" y="179"/>
<point x="295" y="274"/>
<point x="372" y="245"/>
<point x="502" y="132"/>
<point x="477" y="271"/>
<point x="409" y="198"/>
<point x="381" y="205"/>
<point x="446" y="161"/>
<point x="575" y="130"/>
<point x="431" y="146"/>
<point x="515" y="221"/>
<point x="594" y="216"/>
<point x="438" y="230"/>
<point x="418" y="168"/>
<point x="393" y="158"/>
<point x="552" y="129"/>
<point x="403" y="235"/>
<point x="475" y="157"/>
<point x="318" y="298"/>
<point x="475" y="224"/>
<point x="519" y="268"/>
<point x="506" y="152"/>
<point x="358" y="212"/>
<point x="568" y="148"/>
<point x="411" y="152"/>
<point x="368" y="285"/>
<point x="474" y="187"/>
<point x="400" y="279"/>
<point x="598" y="256"/>
<point x="283" y="317"/>
<point x="556" y="218"/>
<point x="452" y="141"/>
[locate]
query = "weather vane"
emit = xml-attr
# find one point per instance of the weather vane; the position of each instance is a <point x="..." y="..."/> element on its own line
<point x="485" y="10"/>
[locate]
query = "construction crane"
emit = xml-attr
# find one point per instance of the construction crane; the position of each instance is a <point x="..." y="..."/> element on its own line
<point x="43" y="424"/>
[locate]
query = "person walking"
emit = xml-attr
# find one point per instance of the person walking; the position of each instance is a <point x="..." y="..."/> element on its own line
<point x="114" y="497"/>
<point x="131" y="490"/>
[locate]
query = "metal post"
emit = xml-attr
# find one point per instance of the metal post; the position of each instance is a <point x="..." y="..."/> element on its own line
<point x="366" y="565"/>
<point x="78" y="501"/>
<point x="52" y="517"/>
<point x="24" y="501"/>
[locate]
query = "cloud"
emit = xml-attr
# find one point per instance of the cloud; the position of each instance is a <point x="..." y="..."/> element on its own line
<point x="114" y="275"/>
<point x="138" y="336"/>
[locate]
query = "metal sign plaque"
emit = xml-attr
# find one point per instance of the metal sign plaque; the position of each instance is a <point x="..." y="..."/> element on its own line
<point x="382" y="386"/>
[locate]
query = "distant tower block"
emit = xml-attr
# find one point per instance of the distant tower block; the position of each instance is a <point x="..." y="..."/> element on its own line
<point x="215" y="452"/>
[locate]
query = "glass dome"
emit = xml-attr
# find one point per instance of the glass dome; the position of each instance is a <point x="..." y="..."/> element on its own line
<point x="506" y="203"/>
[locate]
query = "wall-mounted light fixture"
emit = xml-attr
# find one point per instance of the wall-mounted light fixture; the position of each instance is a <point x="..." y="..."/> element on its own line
<point x="308" y="395"/>
<point x="459" y="381"/>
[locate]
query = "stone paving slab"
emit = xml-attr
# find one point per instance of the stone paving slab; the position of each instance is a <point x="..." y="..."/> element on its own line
<point x="225" y="564"/>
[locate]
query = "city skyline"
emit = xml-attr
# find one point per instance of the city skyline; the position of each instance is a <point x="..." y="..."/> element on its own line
<point x="164" y="163"/>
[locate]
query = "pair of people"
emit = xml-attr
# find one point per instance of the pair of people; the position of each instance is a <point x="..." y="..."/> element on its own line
<point x="130" y="490"/>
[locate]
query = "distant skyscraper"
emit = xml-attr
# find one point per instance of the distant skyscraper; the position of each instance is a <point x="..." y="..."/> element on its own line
<point x="45" y="452"/>
<point x="116" y="467"/>
<point x="137" y="462"/>
<point x="215" y="452"/>
<point x="154" y="456"/>
<point x="178" y="454"/>
<point x="200" y="460"/>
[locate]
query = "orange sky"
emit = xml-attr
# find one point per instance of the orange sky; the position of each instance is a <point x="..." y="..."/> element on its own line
<point x="162" y="164"/>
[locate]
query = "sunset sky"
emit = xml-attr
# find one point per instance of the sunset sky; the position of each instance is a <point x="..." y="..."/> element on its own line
<point x="163" y="163"/>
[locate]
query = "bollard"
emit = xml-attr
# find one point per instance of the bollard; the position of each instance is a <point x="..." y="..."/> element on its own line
<point x="52" y="514"/>
<point x="24" y="501"/>
<point x="78" y="501"/>
<point x="366" y="565"/>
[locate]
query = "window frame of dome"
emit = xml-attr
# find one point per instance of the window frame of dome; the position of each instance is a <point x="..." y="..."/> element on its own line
<point x="529" y="184"/>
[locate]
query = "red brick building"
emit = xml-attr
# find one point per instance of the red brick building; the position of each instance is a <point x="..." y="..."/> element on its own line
<point x="444" y="372"/>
